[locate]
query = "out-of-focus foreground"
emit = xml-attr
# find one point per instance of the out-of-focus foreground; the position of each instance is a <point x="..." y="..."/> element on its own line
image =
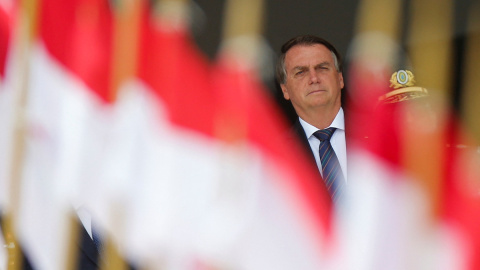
<point x="112" y="119"/>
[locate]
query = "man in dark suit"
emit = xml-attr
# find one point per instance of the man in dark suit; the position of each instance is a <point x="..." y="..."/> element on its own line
<point x="89" y="255"/>
<point x="87" y="251"/>
<point x="90" y="244"/>
<point x="310" y="75"/>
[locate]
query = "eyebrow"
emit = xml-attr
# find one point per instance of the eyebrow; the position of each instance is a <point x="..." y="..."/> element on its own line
<point x="324" y="63"/>
<point x="299" y="68"/>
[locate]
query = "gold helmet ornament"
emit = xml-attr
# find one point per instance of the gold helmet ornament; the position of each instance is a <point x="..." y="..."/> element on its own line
<point x="403" y="88"/>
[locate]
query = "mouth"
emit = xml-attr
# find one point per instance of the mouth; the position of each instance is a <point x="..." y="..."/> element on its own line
<point x="316" y="91"/>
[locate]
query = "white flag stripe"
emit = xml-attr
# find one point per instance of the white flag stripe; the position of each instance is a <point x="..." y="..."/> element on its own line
<point x="386" y="222"/>
<point x="59" y="110"/>
<point x="181" y="196"/>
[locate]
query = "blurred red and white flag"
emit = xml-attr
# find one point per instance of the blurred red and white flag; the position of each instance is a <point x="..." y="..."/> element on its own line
<point x="201" y="185"/>
<point x="182" y="163"/>
<point x="411" y="191"/>
<point x="7" y="99"/>
<point x="58" y="75"/>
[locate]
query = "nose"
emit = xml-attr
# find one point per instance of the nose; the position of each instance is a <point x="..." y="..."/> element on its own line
<point x="313" y="76"/>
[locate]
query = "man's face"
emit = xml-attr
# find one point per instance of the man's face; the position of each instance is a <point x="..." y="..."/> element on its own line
<point x="312" y="80"/>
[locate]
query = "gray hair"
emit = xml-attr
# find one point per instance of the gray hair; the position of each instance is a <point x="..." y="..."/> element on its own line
<point x="307" y="40"/>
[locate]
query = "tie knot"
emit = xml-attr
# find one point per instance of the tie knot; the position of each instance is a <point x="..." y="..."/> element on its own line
<point x="324" y="134"/>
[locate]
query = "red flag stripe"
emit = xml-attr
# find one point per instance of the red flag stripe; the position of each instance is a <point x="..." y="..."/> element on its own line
<point x="78" y="33"/>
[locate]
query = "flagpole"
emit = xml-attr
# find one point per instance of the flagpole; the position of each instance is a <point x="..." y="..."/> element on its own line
<point x="26" y="31"/>
<point x="386" y="19"/>
<point x="241" y="38"/>
<point x="125" y="43"/>
<point x="374" y="47"/>
<point x="73" y="237"/>
<point x="127" y="16"/>
<point x="173" y="12"/>
<point x="430" y="44"/>
<point x="430" y="50"/>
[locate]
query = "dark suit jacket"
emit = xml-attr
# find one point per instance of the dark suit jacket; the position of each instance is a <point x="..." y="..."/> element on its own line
<point x="297" y="135"/>
<point x="88" y="255"/>
<point x="298" y="132"/>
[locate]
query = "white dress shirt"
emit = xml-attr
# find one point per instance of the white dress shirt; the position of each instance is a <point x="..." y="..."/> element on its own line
<point x="86" y="218"/>
<point x="338" y="141"/>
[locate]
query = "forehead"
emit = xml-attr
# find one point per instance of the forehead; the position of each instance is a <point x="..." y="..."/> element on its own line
<point x="305" y="55"/>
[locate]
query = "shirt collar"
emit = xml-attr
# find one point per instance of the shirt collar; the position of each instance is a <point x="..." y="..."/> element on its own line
<point x="338" y="122"/>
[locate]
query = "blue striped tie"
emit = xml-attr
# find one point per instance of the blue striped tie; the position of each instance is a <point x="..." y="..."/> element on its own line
<point x="332" y="172"/>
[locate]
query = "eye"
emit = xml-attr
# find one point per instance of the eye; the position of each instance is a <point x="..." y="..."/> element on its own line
<point x="299" y="72"/>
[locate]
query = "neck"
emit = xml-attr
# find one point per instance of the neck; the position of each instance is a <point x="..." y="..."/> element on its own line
<point x="320" y="118"/>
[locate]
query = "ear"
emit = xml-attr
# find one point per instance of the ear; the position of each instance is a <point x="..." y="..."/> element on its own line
<point x="340" y="78"/>
<point x="284" y="91"/>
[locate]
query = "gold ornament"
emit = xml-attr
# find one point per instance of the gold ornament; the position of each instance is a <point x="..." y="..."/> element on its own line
<point x="402" y="78"/>
<point x="403" y="84"/>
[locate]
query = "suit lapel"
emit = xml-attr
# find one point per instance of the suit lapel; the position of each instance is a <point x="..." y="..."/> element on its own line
<point x="299" y="133"/>
<point x="88" y="250"/>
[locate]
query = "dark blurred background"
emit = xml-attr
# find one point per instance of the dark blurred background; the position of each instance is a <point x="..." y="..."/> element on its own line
<point x="332" y="20"/>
